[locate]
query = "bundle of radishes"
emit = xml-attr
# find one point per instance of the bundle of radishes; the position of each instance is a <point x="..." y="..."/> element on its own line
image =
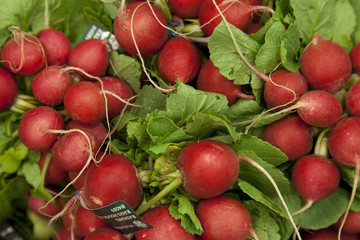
<point x="214" y="120"/>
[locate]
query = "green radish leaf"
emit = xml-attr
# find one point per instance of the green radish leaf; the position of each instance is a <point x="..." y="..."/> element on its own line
<point x="262" y="149"/>
<point x="268" y="56"/>
<point x="150" y="99"/>
<point x="204" y="125"/>
<point x="356" y="34"/>
<point x="263" y="222"/>
<point x="325" y="212"/>
<point x="314" y="16"/>
<point x="249" y="112"/>
<point x="345" y="23"/>
<point x="182" y="208"/>
<point x="224" y="55"/>
<point x="127" y="69"/>
<point x="290" y="48"/>
<point x="255" y="184"/>
<point x="186" y="101"/>
<point x="32" y="173"/>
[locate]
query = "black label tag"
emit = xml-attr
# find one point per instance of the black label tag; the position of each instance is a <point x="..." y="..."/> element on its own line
<point x="121" y="217"/>
<point x="95" y="31"/>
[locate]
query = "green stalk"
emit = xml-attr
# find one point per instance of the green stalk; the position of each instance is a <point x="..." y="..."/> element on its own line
<point x="168" y="189"/>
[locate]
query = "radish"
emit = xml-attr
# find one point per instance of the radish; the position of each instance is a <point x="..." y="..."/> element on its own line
<point x="237" y="13"/>
<point x="98" y="130"/>
<point x="24" y="54"/>
<point x="65" y="234"/>
<point x="49" y="85"/>
<point x="178" y="60"/>
<point x="91" y="56"/>
<point x="54" y="173"/>
<point x="325" y="65"/>
<point x="116" y="88"/>
<point x="315" y="177"/>
<point x="253" y="28"/>
<point x="119" y="174"/>
<point x="80" y="182"/>
<point x="283" y="88"/>
<point x="105" y="234"/>
<point x="9" y="93"/>
<point x="343" y="145"/>
<point x="219" y="168"/>
<point x="355" y="57"/>
<point x="185" y="8"/>
<point x="85" y="103"/>
<point x="73" y="150"/>
<point x="138" y="24"/>
<point x="57" y="46"/>
<point x="87" y="222"/>
<point x="317" y="108"/>
<point x="37" y="206"/>
<point x="211" y="80"/>
<point x="223" y="218"/>
<point x="327" y="234"/>
<point x="352" y="100"/>
<point x="352" y="223"/>
<point x="36" y="126"/>
<point x="291" y="135"/>
<point x="165" y="226"/>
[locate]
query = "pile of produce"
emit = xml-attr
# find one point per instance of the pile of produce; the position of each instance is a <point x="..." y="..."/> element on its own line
<point x="180" y="119"/>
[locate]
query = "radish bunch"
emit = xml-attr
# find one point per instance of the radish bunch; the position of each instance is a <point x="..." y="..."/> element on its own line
<point x="215" y="119"/>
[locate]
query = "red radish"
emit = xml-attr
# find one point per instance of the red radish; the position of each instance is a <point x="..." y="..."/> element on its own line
<point x="277" y="89"/>
<point x="98" y="130"/>
<point x="325" y="65"/>
<point x="105" y="234"/>
<point x="24" y="54"/>
<point x="352" y="100"/>
<point x="352" y="223"/>
<point x="87" y="222"/>
<point x="54" y="173"/>
<point x="355" y="57"/>
<point x="165" y="226"/>
<point x="253" y="28"/>
<point x="211" y="80"/>
<point x="57" y="46"/>
<point x="72" y="151"/>
<point x="49" y="85"/>
<point x="185" y="8"/>
<point x="315" y="177"/>
<point x="7" y="94"/>
<point x="119" y="88"/>
<point x="223" y="218"/>
<point x="148" y="33"/>
<point x="65" y="234"/>
<point x="42" y="208"/>
<point x="343" y="142"/>
<point x="343" y="145"/>
<point x="91" y="56"/>
<point x="178" y="60"/>
<point x="119" y="174"/>
<point x="85" y="103"/>
<point x="36" y="126"/>
<point x="219" y="168"/>
<point x="237" y="13"/>
<point x="291" y="135"/>
<point x="80" y="182"/>
<point x="317" y="108"/>
<point x="327" y="234"/>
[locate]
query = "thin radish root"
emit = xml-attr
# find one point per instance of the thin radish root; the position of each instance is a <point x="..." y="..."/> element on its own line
<point x="255" y="164"/>
<point x="304" y="208"/>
